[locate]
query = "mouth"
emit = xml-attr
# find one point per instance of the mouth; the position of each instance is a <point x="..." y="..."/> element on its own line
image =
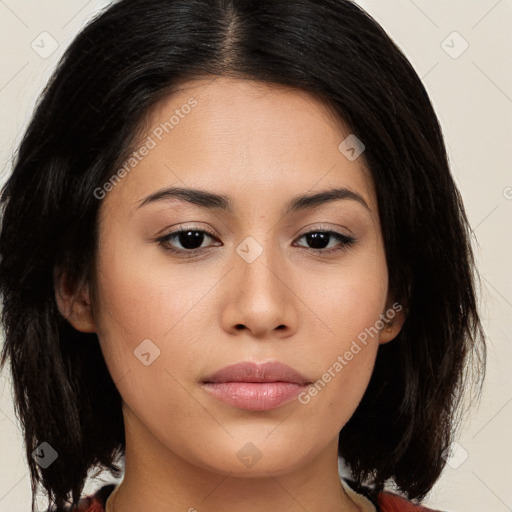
<point x="256" y="386"/>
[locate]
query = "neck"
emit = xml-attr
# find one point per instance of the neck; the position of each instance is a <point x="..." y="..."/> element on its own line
<point x="156" y="479"/>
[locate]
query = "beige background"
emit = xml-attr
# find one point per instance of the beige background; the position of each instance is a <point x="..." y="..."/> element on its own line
<point x="471" y="89"/>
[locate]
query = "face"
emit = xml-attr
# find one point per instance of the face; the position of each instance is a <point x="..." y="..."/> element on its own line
<point x="186" y="288"/>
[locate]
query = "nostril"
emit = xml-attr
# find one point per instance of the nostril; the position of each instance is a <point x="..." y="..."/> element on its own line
<point x="240" y="326"/>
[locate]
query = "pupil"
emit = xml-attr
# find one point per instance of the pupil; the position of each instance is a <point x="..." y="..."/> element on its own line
<point x="191" y="239"/>
<point x="318" y="240"/>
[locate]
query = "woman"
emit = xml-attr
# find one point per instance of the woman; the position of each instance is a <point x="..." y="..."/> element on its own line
<point x="233" y="254"/>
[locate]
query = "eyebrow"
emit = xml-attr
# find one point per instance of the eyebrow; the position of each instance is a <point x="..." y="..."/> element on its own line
<point x="224" y="203"/>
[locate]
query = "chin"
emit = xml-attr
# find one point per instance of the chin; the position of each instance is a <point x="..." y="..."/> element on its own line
<point x="248" y="459"/>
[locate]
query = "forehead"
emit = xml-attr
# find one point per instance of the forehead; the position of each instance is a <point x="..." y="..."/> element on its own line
<point x="245" y="139"/>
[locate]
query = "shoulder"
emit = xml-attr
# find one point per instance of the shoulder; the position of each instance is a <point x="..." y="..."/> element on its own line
<point x="389" y="502"/>
<point x="384" y="501"/>
<point x="89" y="504"/>
<point x="95" y="502"/>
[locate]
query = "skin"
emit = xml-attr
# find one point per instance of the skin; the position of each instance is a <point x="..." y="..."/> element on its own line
<point x="261" y="145"/>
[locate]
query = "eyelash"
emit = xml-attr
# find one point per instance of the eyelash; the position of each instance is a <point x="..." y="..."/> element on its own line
<point x="346" y="241"/>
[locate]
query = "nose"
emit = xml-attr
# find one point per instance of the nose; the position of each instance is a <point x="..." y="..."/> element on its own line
<point x="260" y="299"/>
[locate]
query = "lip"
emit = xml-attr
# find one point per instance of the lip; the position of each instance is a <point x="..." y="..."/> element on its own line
<point x="256" y="386"/>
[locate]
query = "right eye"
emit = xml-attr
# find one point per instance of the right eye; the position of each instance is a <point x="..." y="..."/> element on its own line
<point x="190" y="239"/>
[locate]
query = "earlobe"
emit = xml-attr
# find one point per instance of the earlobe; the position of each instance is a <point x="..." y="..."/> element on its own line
<point x="392" y="327"/>
<point x="74" y="303"/>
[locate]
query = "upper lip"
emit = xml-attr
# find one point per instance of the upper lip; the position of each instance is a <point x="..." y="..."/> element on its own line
<point x="250" y="371"/>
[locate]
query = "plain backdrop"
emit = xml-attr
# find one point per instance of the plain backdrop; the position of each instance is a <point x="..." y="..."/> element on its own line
<point x="462" y="50"/>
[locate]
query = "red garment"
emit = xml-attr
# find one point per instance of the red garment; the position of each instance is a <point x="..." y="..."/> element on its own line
<point x="388" y="502"/>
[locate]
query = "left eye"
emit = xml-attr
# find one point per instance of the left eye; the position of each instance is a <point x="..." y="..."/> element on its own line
<point x="319" y="238"/>
<point x="192" y="239"/>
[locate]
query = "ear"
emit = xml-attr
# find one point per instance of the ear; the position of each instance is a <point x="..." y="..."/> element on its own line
<point x="393" y="318"/>
<point x="74" y="303"/>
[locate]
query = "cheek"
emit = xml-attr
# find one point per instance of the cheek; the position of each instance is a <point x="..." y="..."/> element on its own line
<point x="343" y="358"/>
<point x="348" y="310"/>
<point x="138" y="301"/>
<point x="145" y="296"/>
<point x="349" y="299"/>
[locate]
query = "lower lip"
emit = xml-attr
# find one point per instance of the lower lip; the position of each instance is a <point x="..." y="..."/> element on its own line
<point x="255" y="396"/>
